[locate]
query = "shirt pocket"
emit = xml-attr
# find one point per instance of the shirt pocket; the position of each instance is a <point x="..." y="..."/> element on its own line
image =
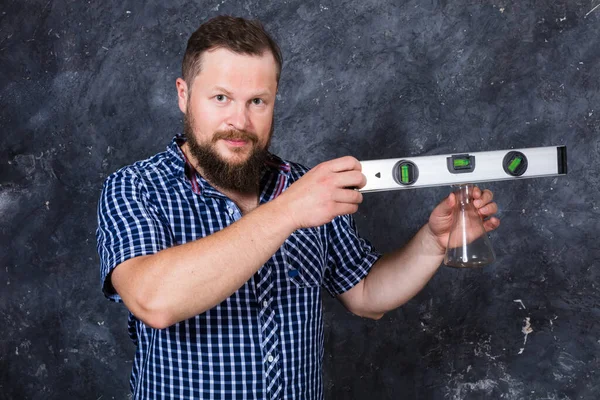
<point x="303" y="255"/>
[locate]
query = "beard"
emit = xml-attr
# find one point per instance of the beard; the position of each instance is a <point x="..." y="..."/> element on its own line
<point x="244" y="176"/>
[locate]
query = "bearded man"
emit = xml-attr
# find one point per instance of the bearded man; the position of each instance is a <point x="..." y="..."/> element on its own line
<point x="220" y="249"/>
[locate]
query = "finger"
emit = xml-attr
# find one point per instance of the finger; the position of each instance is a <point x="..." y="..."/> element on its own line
<point x="346" y="208"/>
<point x="491" y="224"/>
<point x="347" y="163"/>
<point x="446" y="207"/>
<point x="347" y="196"/>
<point x="363" y="182"/>
<point x="350" y="179"/>
<point x="485" y="197"/>
<point x="488" y="209"/>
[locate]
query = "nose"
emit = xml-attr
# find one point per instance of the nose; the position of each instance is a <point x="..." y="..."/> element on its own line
<point x="238" y="118"/>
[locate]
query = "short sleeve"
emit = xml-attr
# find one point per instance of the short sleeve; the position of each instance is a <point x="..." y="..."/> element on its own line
<point x="349" y="257"/>
<point x="128" y="226"/>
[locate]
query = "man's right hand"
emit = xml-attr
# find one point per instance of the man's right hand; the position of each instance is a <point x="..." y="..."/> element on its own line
<point x="182" y="281"/>
<point x="323" y="193"/>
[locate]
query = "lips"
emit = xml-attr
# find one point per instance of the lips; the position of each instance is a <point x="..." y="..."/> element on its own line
<point x="236" y="142"/>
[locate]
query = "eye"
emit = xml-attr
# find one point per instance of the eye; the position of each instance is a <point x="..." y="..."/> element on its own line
<point x="258" y="102"/>
<point x="221" y="98"/>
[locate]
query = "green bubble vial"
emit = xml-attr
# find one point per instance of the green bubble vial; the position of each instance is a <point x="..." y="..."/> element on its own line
<point x="514" y="164"/>
<point x="405" y="178"/>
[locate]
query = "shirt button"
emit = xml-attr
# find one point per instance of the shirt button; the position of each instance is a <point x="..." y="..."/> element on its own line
<point x="265" y="303"/>
<point x="270" y="358"/>
<point x="230" y="210"/>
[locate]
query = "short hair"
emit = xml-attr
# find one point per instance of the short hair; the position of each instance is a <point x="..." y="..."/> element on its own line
<point x="236" y="34"/>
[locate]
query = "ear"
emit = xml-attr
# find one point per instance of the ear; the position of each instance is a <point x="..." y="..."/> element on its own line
<point x="182" y="94"/>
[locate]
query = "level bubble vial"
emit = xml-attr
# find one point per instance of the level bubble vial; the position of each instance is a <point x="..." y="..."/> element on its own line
<point x="461" y="163"/>
<point x="405" y="173"/>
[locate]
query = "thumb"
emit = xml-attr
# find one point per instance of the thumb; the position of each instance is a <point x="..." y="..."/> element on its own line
<point x="446" y="207"/>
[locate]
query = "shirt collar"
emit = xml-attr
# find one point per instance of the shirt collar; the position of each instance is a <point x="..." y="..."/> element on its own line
<point x="183" y="168"/>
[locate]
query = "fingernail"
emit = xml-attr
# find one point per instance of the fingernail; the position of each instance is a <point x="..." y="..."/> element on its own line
<point x="477" y="203"/>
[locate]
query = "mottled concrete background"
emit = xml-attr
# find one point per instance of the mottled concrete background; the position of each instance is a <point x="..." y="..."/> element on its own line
<point x="88" y="86"/>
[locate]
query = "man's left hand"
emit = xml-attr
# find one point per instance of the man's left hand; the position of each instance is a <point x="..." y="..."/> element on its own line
<point x="441" y="219"/>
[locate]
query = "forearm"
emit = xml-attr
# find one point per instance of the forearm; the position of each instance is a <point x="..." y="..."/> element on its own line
<point x="180" y="282"/>
<point x="399" y="276"/>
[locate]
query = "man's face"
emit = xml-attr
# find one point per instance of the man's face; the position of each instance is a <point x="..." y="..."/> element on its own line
<point x="229" y="116"/>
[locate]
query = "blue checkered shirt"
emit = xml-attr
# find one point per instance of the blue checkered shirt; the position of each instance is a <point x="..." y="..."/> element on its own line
<point x="263" y="342"/>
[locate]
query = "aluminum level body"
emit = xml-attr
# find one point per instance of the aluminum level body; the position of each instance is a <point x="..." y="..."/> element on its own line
<point x="488" y="167"/>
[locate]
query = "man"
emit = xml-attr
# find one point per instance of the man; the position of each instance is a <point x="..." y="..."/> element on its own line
<point x="220" y="249"/>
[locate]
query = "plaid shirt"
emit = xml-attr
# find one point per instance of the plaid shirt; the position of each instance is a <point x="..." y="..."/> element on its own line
<point x="263" y="342"/>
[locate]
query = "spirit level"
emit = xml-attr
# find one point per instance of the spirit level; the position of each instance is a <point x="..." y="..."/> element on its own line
<point x="453" y="169"/>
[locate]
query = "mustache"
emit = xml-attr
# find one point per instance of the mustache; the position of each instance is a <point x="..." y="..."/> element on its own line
<point x="235" y="135"/>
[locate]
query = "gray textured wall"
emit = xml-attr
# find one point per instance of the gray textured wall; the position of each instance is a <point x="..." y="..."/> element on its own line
<point x="87" y="87"/>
